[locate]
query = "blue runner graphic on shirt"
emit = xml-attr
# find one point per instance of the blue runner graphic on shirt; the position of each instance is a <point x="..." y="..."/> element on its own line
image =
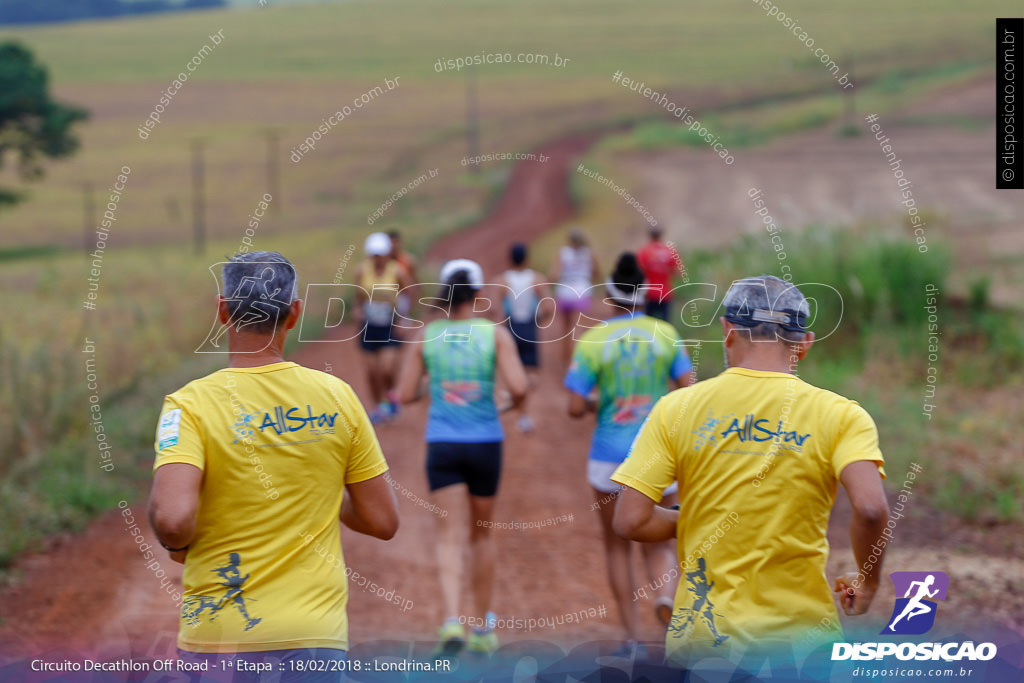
<point x="685" y="618"/>
<point x="234" y="582"/>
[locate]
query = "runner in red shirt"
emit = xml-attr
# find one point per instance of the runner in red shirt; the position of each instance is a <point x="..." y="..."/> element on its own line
<point x="658" y="261"/>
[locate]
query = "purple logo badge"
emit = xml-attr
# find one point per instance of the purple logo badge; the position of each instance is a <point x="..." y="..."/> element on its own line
<point x="914" y="612"/>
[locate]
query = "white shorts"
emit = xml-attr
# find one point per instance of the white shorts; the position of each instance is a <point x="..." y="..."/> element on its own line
<point x="599" y="474"/>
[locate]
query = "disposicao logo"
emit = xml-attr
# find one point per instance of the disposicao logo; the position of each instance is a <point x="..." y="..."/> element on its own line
<point x="914" y="614"/>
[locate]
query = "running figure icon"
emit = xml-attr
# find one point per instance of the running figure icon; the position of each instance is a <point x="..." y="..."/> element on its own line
<point x="702" y="605"/>
<point x="234" y="582"/>
<point x="915" y="606"/>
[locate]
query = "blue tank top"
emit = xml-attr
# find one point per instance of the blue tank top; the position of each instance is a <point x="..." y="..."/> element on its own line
<point x="460" y="357"/>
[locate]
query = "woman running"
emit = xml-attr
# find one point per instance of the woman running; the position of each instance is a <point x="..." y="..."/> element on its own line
<point x="461" y="355"/>
<point x="631" y="360"/>
<point x="574" y="273"/>
<point x="379" y="279"/>
<point x="523" y="301"/>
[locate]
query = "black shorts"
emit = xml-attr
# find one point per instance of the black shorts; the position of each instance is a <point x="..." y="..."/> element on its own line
<point x="478" y="465"/>
<point x="525" y="335"/>
<point x="377" y="337"/>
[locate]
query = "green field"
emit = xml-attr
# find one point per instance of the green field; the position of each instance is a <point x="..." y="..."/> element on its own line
<point x="286" y="68"/>
<point x="686" y="44"/>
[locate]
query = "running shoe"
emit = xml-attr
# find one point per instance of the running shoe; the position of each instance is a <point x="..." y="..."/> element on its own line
<point x="627" y="649"/>
<point x="393" y="403"/>
<point x="452" y="637"/>
<point x="482" y="641"/>
<point x="379" y="415"/>
<point x="633" y="650"/>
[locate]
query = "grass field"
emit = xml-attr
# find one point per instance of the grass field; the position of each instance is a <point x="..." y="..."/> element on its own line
<point x="288" y="67"/>
<point x="691" y="44"/>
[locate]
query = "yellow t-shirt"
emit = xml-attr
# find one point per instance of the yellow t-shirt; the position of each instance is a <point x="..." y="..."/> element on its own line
<point x="757" y="456"/>
<point x="277" y="444"/>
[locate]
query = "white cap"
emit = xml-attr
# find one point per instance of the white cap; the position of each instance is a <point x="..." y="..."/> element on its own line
<point x="473" y="270"/>
<point x="377" y="244"/>
<point x="620" y="297"/>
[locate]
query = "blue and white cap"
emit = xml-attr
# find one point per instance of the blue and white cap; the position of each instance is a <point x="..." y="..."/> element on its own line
<point x="766" y="299"/>
<point x="474" y="273"/>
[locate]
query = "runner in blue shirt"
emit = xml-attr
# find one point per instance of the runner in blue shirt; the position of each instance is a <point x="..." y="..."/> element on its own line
<point x="461" y="355"/>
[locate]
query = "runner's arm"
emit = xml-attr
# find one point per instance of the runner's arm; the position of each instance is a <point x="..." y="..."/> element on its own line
<point x="369" y="507"/>
<point x="684" y="381"/>
<point x="495" y="295"/>
<point x="637" y="518"/>
<point x="411" y="264"/>
<point x="509" y="365"/>
<point x="405" y="278"/>
<point x="579" y="406"/>
<point x="173" y="503"/>
<point x="360" y="297"/>
<point x="412" y="371"/>
<point x="863" y="485"/>
<point x="547" y="308"/>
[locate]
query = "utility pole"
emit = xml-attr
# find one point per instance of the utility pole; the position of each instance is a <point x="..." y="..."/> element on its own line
<point x="198" y="198"/>
<point x="88" y="217"/>
<point x="472" y="118"/>
<point x="274" y="171"/>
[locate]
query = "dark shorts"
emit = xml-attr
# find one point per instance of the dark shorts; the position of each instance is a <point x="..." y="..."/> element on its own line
<point x="320" y="665"/>
<point x="657" y="309"/>
<point x="478" y="465"/>
<point x="377" y="337"/>
<point x="525" y="335"/>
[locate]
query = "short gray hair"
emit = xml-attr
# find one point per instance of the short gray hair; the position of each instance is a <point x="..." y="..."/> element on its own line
<point x="769" y="307"/>
<point x="259" y="287"/>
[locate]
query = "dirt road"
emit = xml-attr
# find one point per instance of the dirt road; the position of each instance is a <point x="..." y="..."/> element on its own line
<point x="94" y="594"/>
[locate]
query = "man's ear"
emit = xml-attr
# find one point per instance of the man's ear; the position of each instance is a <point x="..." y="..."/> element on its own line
<point x="727" y="329"/>
<point x="294" y="314"/>
<point x="805" y="346"/>
<point x="223" y="314"/>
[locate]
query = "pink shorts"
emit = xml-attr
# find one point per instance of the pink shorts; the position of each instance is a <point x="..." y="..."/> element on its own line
<point x="568" y="302"/>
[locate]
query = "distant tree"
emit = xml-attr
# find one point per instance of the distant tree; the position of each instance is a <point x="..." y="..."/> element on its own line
<point x="148" y="6"/>
<point x="203" y="4"/>
<point x="32" y="126"/>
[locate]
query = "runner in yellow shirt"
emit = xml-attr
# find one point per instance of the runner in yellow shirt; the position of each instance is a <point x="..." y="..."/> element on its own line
<point x="255" y="465"/>
<point x="758" y="454"/>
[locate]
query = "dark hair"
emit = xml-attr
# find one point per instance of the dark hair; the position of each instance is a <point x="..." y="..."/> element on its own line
<point x="394" y="234"/>
<point x="259" y="287"/>
<point x="627" y="275"/>
<point x="457" y="289"/>
<point x="518" y="253"/>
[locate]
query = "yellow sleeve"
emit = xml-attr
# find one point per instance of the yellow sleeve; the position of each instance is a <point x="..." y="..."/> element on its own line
<point x="650" y="467"/>
<point x="366" y="460"/>
<point x="178" y="439"/>
<point x="856" y="440"/>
